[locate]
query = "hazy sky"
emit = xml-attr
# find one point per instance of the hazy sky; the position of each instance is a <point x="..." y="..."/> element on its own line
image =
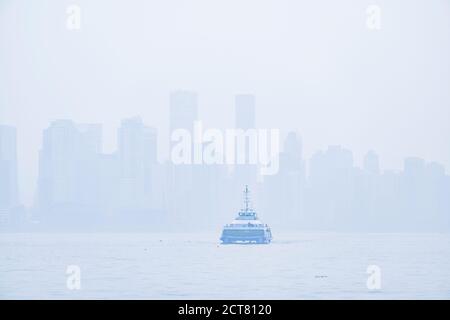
<point x="314" y="67"/>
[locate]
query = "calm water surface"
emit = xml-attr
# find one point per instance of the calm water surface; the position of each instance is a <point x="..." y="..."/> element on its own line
<point x="196" y="266"/>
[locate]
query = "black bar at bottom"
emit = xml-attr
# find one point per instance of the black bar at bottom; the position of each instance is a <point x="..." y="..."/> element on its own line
<point x="227" y="309"/>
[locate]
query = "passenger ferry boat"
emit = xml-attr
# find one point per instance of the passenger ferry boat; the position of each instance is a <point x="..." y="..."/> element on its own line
<point x="246" y="228"/>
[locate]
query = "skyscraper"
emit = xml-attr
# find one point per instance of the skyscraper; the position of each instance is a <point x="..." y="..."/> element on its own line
<point x="183" y="110"/>
<point x="183" y="114"/>
<point x="8" y="167"/>
<point x="68" y="182"/>
<point x="371" y="163"/>
<point x="245" y="174"/>
<point x="331" y="184"/>
<point x="284" y="191"/>
<point x="137" y="159"/>
<point x="292" y="152"/>
<point x="8" y="171"/>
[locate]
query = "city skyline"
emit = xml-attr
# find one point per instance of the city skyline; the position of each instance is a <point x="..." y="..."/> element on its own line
<point x="322" y="72"/>
<point x="77" y="179"/>
<point x="163" y="155"/>
<point x="224" y="150"/>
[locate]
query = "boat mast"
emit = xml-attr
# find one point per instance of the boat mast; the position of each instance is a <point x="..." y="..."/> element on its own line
<point x="246" y="198"/>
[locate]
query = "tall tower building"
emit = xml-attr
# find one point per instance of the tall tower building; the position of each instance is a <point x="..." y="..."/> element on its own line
<point x="180" y="204"/>
<point x="371" y="163"/>
<point x="137" y="158"/>
<point x="183" y="110"/>
<point x="245" y="174"/>
<point x="8" y="167"/>
<point x="68" y="184"/>
<point x="284" y="191"/>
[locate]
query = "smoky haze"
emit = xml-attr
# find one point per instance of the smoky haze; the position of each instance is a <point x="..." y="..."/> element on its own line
<point x="314" y="67"/>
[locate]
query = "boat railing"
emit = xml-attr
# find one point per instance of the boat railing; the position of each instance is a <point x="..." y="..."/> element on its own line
<point x="247" y="225"/>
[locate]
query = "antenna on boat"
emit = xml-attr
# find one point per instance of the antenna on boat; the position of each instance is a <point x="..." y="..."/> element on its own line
<point x="246" y="198"/>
